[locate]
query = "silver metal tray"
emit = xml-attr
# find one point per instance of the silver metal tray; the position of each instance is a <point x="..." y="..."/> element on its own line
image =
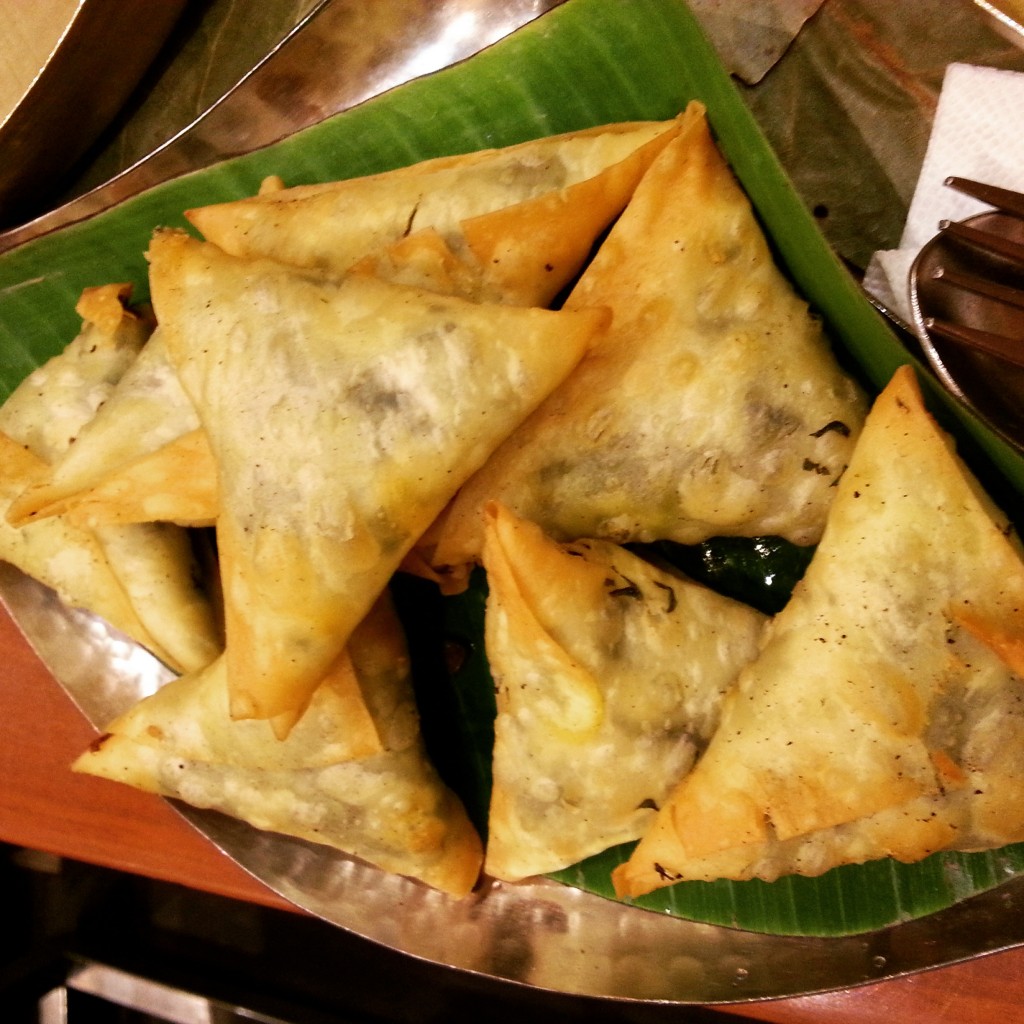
<point x="541" y="934"/>
<point x="99" y="54"/>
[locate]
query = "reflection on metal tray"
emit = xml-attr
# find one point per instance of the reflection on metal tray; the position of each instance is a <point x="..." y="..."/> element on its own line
<point x="84" y="58"/>
<point x="342" y="53"/>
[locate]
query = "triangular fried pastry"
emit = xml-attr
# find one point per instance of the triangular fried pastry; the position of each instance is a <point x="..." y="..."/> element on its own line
<point x="714" y="406"/>
<point x="609" y="675"/>
<point x="510" y="225"/>
<point x="160" y="572"/>
<point x="342" y="415"/>
<point x="885" y="715"/>
<point x="67" y="558"/>
<point x="353" y="772"/>
<point x="154" y="565"/>
<point x="174" y="484"/>
<point x="48" y="409"/>
<point x="144" y="411"/>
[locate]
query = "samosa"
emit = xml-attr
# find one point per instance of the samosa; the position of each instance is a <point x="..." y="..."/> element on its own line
<point x="353" y="773"/>
<point x="145" y="576"/>
<point x="145" y="411"/>
<point x="610" y="672"/>
<point x="713" y="406"/>
<point x="342" y="415"/>
<point x="511" y="225"/>
<point x="885" y="715"/>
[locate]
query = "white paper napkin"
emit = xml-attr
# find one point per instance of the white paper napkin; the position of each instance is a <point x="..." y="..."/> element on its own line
<point x="978" y="133"/>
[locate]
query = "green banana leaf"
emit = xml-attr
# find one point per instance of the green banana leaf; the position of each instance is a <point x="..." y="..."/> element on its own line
<point x="587" y="62"/>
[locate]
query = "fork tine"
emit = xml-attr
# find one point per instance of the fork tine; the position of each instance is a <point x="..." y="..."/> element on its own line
<point x="987" y="241"/>
<point x="1010" y="349"/>
<point x="1002" y="198"/>
<point x="980" y="286"/>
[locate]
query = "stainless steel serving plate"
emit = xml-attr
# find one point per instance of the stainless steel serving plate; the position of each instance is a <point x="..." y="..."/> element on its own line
<point x="541" y="934"/>
<point x="99" y="53"/>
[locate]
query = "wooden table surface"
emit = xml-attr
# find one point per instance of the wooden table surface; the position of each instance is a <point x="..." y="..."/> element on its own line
<point x="44" y="806"/>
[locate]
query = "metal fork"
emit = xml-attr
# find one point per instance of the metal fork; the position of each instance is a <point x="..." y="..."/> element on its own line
<point x="968" y="282"/>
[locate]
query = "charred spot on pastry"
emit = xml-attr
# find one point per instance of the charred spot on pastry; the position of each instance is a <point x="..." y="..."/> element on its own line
<point x="664" y="873"/>
<point x="833" y="426"/>
<point x="628" y="589"/>
<point x="816" y="467"/>
<point x="672" y="601"/>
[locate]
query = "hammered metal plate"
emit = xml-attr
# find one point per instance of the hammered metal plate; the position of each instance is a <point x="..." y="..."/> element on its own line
<point x="541" y="934"/>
